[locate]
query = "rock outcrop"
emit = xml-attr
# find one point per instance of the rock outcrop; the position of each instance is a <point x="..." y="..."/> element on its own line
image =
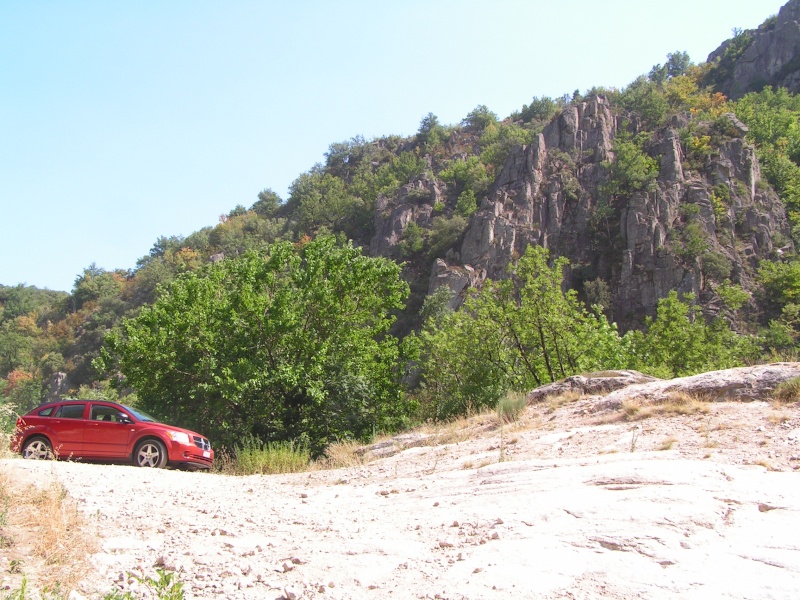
<point x="738" y="384"/>
<point x="708" y="217"/>
<point x="771" y="58"/>
<point x="549" y="193"/>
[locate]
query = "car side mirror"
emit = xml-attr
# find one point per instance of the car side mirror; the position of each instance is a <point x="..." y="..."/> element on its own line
<point x="124" y="419"/>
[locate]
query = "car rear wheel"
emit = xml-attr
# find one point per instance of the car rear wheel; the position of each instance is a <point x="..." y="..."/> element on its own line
<point x="37" y="448"/>
<point x="150" y="453"/>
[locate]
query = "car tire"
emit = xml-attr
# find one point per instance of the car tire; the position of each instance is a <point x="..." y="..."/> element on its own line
<point x="37" y="448"/>
<point x="150" y="453"/>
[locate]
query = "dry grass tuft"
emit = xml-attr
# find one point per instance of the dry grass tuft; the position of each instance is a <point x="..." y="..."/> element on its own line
<point x="459" y="430"/>
<point x="677" y="403"/>
<point x="342" y="455"/>
<point x="779" y="416"/>
<point x="44" y="535"/>
<point x="766" y="464"/>
<point x="667" y="444"/>
<point x="556" y="402"/>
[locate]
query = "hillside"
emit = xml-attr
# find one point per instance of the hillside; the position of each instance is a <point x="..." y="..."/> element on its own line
<point x="668" y="185"/>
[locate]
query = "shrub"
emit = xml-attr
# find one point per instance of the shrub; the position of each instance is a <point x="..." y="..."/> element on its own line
<point x="479" y="118"/>
<point x="467" y="204"/>
<point x="716" y="266"/>
<point x="254" y="457"/>
<point x="539" y="110"/>
<point x="510" y="407"/>
<point x="788" y="391"/>
<point x="445" y="233"/>
<point x="693" y="242"/>
<point x="631" y="171"/>
<point x="413" y="239"/>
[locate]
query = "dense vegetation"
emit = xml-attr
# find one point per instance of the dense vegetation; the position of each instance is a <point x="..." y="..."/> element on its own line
<point x="286" y="343"/>
<point x="273" y="326"/>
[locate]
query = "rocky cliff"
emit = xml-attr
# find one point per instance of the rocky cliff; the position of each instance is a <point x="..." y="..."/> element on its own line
<point x="769" y="55"/>
<point x="704" y="219"/>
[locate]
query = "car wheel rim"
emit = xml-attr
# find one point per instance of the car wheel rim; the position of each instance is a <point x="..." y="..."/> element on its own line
<point x="37" y="450"/>
<point x="149" y="455"/>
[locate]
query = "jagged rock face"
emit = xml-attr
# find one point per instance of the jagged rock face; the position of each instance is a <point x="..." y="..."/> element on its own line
<point x="414" y="202"/>
<point x="548" y="193"/>
<point x="539" y="197"/>
<point x="771" y="59"/>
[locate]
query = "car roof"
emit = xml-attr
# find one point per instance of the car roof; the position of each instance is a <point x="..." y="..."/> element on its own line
<point x="72" y="401"/>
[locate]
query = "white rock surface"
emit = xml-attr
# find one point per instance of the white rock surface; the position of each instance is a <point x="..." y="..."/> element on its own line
<point x="572" y="501"/>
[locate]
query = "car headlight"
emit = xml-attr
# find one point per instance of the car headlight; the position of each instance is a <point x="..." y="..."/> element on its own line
<point x="179" y="436"/>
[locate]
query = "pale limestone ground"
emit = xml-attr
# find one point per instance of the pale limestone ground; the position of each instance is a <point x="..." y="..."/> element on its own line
<point x="567" y="503"/>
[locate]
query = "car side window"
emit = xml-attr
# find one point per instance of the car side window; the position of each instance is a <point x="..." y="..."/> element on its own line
<point x="70" y="411"/>
<point x="46" y="412"/>
<point x="104" y="413"/>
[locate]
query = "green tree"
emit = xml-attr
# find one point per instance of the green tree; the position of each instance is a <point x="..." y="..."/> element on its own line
<point x="431" y="133"/>
<point x="540" y="110"/>
<point x="780" y="285"/>
<point x="514" y="334"/>
<point x="677" y="64"/>
<point x="773" y="117"/>
<point x="679" y="342"/>
<point x="466" y="204"/>
<point x="95" y="284"/>
<point x="287" y="345"/>
<point x="323" y="200"/>
<point x="630" y="171"/>
<point x="463" y="359"/>
<point x="479" y="118"/>
<point x="552" y="332"/>
<point x="646" y="99"/>
<point x="267" y="204"/>
<point x="445" y="233"/>
<point x="467" y="174"/>
<point x="413" y="240"/>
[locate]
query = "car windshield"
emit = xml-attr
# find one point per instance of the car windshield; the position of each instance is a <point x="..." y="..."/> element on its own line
<point x="142" y="416"/>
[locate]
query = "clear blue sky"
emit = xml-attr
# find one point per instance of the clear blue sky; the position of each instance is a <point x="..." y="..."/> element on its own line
<point x="124" y="121"/>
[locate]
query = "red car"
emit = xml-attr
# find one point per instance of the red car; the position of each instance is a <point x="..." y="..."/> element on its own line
<point x="106" y="430"/>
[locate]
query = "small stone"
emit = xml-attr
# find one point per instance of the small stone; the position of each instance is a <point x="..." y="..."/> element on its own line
<point x="289" y="594"/>
<point x="455" y="524"/>
<point x="445" y="544"/>
<point x="477" y="570"/>
<point x="495" y="536"/>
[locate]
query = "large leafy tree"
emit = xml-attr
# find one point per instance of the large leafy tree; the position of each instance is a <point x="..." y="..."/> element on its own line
<point x="679" y="342"/>
<point x="515" y="334"/>
<point x="287" y="344"/>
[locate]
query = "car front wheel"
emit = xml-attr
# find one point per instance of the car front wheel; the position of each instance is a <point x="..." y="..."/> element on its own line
<point x="37" y="448"/>
<point x="150" y="453"/>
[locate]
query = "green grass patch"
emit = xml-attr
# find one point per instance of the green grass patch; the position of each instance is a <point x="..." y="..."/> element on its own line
<point x="788" y="391"/>
<point x="254" y="457"/>
<point x="510" y="407"/>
